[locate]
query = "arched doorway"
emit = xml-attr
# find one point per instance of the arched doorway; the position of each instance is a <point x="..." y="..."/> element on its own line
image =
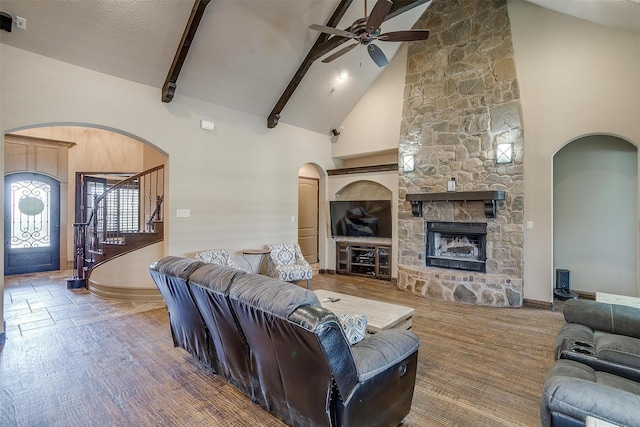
<point x="595" y="214"/>
<point x="31" y="223"/>
<point x="95" y="150"/>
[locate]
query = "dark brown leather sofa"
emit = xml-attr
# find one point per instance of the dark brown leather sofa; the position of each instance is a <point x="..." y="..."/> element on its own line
<point x="275" y="342"/>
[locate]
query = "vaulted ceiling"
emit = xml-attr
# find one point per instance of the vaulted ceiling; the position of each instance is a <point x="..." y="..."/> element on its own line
<point x="245" y="52"/>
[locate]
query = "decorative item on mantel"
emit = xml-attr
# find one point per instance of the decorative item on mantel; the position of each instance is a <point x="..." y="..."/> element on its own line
<point x="488" y="197"/>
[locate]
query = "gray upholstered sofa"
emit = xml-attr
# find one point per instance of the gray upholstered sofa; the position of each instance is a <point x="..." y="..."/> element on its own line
<point x="597" y="372"/>
<point x="275" y="342"/>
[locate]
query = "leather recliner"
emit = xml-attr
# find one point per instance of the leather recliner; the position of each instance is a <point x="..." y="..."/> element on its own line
<point x="574" y="391"/>
<point x="308" y="373"/>
<point x="603" y="336"/>
<point x="188" y="329"/>
<point x="597" y="372"/>
<point x="209" y="285"/>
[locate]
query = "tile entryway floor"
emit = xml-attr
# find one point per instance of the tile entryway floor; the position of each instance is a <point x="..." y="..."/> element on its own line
<point x="36" y="304"/>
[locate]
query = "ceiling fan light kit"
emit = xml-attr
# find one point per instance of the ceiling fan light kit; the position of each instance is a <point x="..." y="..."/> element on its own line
<point x="365" y="31"/>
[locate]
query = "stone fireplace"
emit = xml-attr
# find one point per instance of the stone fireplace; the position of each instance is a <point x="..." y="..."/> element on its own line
<point x="461" y="100"/>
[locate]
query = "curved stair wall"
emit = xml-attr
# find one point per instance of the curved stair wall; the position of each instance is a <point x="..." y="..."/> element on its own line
<point x="127" y="276"/>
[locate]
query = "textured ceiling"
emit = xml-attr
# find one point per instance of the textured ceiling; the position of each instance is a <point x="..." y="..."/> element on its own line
<point x="245" y="51"/>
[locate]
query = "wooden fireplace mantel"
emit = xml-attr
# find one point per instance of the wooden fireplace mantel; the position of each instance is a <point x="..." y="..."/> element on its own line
<point x="488" y="197"/>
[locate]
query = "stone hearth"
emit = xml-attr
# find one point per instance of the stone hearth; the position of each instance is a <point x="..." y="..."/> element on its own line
<point x="461" y="286"/>
<point x="461" y="100"/>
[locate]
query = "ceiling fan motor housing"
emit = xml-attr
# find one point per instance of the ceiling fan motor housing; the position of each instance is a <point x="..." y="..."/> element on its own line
<point x="359" y="27"/>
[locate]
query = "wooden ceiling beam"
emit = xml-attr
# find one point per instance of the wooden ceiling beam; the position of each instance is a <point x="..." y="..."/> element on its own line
<point x="323" y="45"/>
<point x="274" y="116"/>
<point x="169" y="87"/>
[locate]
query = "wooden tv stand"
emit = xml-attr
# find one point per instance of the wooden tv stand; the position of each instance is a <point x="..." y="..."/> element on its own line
<point x="366" y="258"/>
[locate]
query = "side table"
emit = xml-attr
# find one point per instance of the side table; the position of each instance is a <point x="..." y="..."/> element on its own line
<point x="260" y="252"/>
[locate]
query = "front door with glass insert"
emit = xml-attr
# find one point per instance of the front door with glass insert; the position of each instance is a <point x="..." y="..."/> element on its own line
<point x="31" y="223"/>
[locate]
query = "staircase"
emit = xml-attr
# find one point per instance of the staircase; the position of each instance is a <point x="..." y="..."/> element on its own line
<point x="126" y="217"/>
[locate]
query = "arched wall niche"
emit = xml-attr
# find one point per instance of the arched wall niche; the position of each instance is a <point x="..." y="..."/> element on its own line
<point x="595" y="213"/>
<point x="364" y="190"/>
<point x="599" y="135"/>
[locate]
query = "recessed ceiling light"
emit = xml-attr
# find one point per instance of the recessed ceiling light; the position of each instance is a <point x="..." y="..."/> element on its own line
<point x="343" y="75"/>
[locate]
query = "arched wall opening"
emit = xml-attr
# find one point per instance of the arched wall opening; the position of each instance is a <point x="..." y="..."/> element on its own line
<point x="595" y="214"/>
<point x="97" y="149"/>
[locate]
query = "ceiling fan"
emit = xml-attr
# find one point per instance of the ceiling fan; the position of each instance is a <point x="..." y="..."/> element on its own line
<point x="365" y="31"/>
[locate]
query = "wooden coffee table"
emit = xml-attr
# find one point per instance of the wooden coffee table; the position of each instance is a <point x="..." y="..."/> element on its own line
<point x="380" y="315"/>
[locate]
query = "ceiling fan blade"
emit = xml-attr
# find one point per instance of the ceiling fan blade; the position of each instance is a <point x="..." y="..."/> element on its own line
<point x="331" y="30"/>
<point x="404" y="36"/>
<point x="339" y="53"/>
<point x="377" y="55"/>
<point x="378" y="13"/>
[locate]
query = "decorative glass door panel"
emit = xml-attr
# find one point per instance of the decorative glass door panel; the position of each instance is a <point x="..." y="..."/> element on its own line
<point x="32" y="223"/>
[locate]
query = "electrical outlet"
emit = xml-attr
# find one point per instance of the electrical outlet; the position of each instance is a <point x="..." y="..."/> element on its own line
<point x="21" y="23"/>
<point x="529" y="225"/>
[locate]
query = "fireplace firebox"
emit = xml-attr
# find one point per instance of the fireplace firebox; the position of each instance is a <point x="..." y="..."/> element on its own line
<point x="457" y="245"/>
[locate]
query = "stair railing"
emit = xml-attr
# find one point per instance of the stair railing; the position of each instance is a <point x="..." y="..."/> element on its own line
<point x="134" y="205"/>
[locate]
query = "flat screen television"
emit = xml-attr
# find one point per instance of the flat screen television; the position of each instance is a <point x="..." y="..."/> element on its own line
<point x="360" y="218"/>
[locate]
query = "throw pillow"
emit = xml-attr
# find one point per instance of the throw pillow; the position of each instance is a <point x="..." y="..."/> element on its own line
<point x="354" y="326"/>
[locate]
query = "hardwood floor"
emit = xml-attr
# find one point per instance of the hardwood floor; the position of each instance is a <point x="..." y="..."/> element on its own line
<point x="478" y="366"/>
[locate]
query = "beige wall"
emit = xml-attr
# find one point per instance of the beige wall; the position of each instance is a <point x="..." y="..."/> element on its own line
<point x="373" y="126"/>
<point x="239" y="181"/>
<point x="96" y="150"/>
<point x="576" y="79"/>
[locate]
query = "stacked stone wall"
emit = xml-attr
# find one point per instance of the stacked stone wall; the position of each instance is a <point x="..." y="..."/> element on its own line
<point x="461" y="99"/>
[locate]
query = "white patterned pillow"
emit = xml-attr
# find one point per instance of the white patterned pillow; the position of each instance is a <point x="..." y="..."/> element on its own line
<point x="354" y="326"/>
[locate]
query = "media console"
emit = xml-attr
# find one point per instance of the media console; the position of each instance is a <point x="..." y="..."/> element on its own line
<point x="364" y="259"/>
